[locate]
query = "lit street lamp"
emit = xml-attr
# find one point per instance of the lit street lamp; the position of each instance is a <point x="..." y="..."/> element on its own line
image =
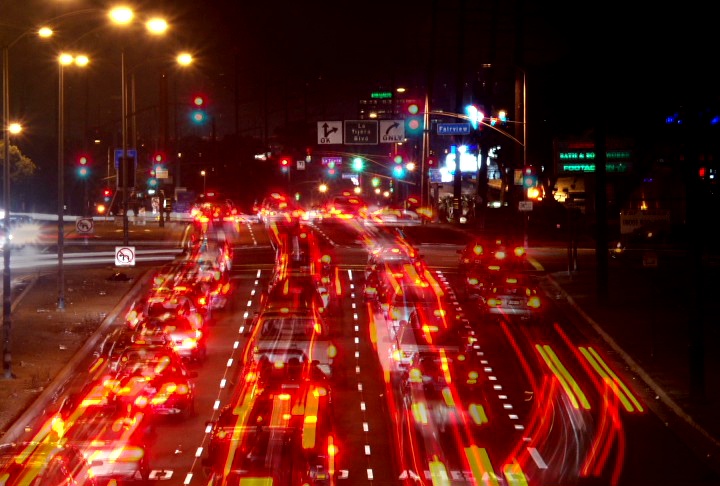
<point x="7" y="129"/>
<point x="64" y="59"/>
<point x="123" y="16"/>
<point x="204" y="176"/>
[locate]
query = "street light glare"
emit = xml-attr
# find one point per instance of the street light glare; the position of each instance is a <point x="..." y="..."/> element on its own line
<point x="82" y="60"/>
<point x="121" y="15"/>
<point x="15" y="128"/>
<point x="65" y="59"/>
<point x="45" y="32"/>
<point x="157" y="25"/>
<point x="184" y="59"/>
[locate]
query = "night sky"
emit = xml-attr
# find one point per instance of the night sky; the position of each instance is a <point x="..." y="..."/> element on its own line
<point x="294" y="60"/>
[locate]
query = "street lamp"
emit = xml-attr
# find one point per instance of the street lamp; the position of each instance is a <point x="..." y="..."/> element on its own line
<point x="182" y="60"/>
<point x="123" y="16"/>
<point x="204" y="176"/>
<point x="64" y="59"/>
<point x="7" y="129"/>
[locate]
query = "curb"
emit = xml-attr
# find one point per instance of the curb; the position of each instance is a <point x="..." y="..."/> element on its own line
<point x="634" y="367"/>
<point x="37" y="408"/>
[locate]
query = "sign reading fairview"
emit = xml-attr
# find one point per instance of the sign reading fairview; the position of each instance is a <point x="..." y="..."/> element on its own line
<point x="361" y="132"/>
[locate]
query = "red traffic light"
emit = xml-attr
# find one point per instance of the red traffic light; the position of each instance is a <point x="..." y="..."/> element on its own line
<point x="285" y="161"/>
<point x="199" y="100"/>
<point x="158" y="157"/>
<point x="107" y="192"/>
<point x="83" y="160"/>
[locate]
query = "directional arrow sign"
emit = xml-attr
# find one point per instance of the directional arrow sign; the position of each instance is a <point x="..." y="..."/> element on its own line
<point x="392" y="131"/>
<point x="330" y="132"/>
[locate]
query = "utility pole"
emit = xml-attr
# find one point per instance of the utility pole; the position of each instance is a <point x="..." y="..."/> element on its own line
<point x="459" y="88"/>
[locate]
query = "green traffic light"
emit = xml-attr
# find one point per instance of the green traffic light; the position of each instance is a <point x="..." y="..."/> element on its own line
<point x="358" y="164"/>
<point x="198" y="116"/>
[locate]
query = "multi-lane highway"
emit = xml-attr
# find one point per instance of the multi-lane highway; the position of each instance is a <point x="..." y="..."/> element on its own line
<point x="546" y="404"/>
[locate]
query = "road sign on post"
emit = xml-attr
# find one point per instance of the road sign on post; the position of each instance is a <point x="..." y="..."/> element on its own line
<point x="392" y="131"/>
<point x="453" y="129"/>
<point x="329" y="132"/>
<point x="361" y="132"/>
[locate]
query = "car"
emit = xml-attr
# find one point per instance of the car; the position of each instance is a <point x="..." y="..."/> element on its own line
<point x="345" y="207"/>
<point x="477" y="279"/>
<point x="399" y="292"/>
<point x="153" y="377"/>
<point x="429" y="327"/>
<point x="436" y="369"/>
<point x="274" y="433"/>
<point x="278" y="335"/>
<point x="294" y="292"/>
<point x="117" y="442"/>
<point x="177" y="300"/>
<point x="513" y="297"/>
<point x="178" y="330"/>
<point x="112" y="346"/>
<point x="494" y="254"/>
<point x="44" y="463"/>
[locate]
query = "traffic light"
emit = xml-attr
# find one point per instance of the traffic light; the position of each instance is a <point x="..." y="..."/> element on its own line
<point x="158" y="158"/>
<point x="107" y="194"/>
<point x="475" y="116"/>
<point x="529" y="177"/>
<point x="357" y="164"/>
<point x="331" y="169"/>
<point x="199" y="114"/>
<point x="399" y="170"/>
<point x="83" y="170"/>
<point x="284" y="164"/>
<point x="414" y="122"/>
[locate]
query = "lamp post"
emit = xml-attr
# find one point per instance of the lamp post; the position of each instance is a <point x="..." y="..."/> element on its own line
<point x="13" y="128"/>
<point x="204" y="176"/>
<point x="64" y="59"/>
<point x="123" y="16"/>
<point x="8" y="128"/>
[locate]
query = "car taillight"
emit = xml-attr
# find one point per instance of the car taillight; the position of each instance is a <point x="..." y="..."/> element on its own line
<point x="187" y="343"/>
<point x="500" y="255"/>
<point x="534" y="302"/>
<point x="519" y="251"/>
<point x="415" y="376"/>
<point x="493" y="302"/>
<point x="127" y="454"/>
